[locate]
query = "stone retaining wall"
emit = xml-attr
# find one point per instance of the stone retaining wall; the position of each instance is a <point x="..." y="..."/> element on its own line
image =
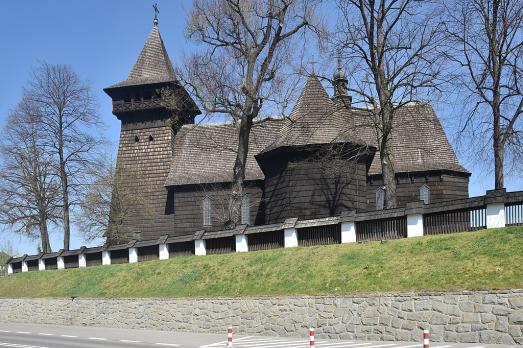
<point x="476" y="317"/>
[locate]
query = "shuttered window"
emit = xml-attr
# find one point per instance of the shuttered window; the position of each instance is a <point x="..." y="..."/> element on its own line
<point x="424" y="194"/>
<point x="206" y="204"/>
<point x="246" y="209"/>
<point x="380" y="198"/>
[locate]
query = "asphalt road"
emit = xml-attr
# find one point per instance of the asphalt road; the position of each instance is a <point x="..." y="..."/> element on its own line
<point x="43" y="336"/>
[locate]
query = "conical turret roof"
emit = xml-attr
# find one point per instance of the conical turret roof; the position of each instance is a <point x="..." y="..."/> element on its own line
<point x="153" y="64"/>
<point x="313" y="120"/>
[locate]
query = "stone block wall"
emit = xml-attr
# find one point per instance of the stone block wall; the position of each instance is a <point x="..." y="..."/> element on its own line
<point x="474" y="317"/>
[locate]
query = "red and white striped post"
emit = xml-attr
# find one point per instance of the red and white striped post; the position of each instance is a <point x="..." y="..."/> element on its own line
<point x="229" y="336"/>
<point x="311" y="338"/>
<point x="425" y="338"/>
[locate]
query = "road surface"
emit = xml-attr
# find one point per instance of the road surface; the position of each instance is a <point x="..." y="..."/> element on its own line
<point x="40" y="336"/>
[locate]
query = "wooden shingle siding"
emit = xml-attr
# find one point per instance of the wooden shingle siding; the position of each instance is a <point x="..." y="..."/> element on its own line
<point x="302" y="189"/>
<point x="181" y="249"/>
<point x="188" y="209"/>
<point x="148" y="253"/>
<point x="220" y="245"/>
<point x="265" y="240"/>
<point x="119" y="256"/>
<point x="319" y="235"/>
<point x="93" y="259"/>
<point x="143" y="167"/>
<point x="442" y="188"/>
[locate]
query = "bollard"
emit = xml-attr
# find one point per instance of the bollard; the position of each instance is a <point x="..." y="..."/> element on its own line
<point x="311" y="337"/>
<point x="425" y="338"/>
<point x="229" y="336"/>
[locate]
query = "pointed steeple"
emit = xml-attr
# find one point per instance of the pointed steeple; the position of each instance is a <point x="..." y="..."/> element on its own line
<point x="153" y="64"/>
<point x="152" y="85"/>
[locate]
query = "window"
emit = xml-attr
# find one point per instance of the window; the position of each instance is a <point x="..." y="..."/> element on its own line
<point x="424" y="194"/>
<point x="246" y="209"/>
<point x="206" y="205"/>
<point x="380" y="198"/>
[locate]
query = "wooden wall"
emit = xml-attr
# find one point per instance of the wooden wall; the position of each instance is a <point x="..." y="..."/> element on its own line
<point x="443" y="187"/>
<point x="305" y="190"/>
<point x="187" y="212"/>
<point x="143" y="166"/>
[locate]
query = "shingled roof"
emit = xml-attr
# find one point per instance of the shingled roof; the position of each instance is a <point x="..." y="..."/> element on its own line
<point x="153" y="64"/>
<point x="206" y="153"/>
<point x="313" y="120"/>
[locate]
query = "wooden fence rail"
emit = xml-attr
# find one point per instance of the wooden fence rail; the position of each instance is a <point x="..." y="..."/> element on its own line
<point x="463" y="220"/>
<point x="384" y="229"/>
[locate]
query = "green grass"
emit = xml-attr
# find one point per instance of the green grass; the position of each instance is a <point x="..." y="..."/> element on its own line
<point x="488" y="259"/>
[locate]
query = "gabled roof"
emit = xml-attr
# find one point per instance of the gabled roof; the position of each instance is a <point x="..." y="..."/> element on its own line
<point x="153" y="64"/>
<point x="419" y="142"/>
<point x="206" y="153"/>
<point x="313" y="120"/>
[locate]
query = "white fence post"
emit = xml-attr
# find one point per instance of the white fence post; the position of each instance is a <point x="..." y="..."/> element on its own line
<point x="25" y="268"/>
<point x="60" y="264"/>
<point x="242" y="244"/>
<point x="414" y="211"/>
<point x="163" y="252"/>
<point x="82" y="261"/>
<point x="290" y="233"/>
<point x="348" y="227"/>
<point x="106" y="257"/>
<point x="133" y="255"/>
<point x="199" y="247"/>
<point x="9" y="268"/>
<point x="495" y="201"/>
<point x="41" y="264"/>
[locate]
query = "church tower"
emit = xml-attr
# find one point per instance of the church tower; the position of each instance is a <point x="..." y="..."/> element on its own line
<point x="151" y="105"/>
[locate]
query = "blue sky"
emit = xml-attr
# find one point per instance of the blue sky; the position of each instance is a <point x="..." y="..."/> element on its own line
<point x="100" y="40"/>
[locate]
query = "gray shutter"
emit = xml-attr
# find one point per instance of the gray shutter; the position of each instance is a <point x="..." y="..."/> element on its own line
<point x="246" y="209"/>
<point x="206" y="211"/>
<point x="424" y="194"/>
<point x="380" y="198"/>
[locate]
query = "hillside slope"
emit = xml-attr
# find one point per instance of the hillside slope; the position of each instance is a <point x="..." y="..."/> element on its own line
<point x="488" y="259"/>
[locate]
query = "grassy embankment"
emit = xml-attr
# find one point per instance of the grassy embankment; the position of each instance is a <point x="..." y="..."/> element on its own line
<point x="488" y="259"/>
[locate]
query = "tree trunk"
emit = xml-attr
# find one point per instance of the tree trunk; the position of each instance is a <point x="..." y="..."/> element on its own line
<point x="65" y="185"/>
<point x="498" y="147"/>
<point x="239" y="169"/>
<point x="388" y="172"/>
<point x="44" y="234"/>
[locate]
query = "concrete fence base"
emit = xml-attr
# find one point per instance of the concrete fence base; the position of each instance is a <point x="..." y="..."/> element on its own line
<point x="474" y="317"/>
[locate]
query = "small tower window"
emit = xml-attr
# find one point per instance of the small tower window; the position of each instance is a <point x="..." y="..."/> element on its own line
<point x="246" y="209"/>
<point x="380" y="198"/>
<point x="206" y="205"/>
<point x="136" y="139"/>
<point x="424" y="194"/>
<point x="151" y="138"/>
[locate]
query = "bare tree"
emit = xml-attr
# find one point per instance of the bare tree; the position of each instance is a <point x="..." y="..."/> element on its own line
<point x="29" y="191"/>
<point x="109" y="202"/>
<point x="243" y="68"/>
<point x="486" y="42"/>
<point x="393" y="50"/>
<point x="68" y="120"/>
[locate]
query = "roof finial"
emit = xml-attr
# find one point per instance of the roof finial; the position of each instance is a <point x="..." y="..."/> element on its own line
<point x="156" y="11"/>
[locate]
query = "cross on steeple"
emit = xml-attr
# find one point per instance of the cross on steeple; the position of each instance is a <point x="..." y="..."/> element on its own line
<point x="156" y="11"/>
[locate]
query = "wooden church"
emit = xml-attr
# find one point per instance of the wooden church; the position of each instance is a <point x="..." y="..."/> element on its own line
<point x="316" y="163"/>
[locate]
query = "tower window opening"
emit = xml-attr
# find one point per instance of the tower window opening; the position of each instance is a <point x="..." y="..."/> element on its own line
<point x="136" y="139"/>
<point x="151" y="138"/>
